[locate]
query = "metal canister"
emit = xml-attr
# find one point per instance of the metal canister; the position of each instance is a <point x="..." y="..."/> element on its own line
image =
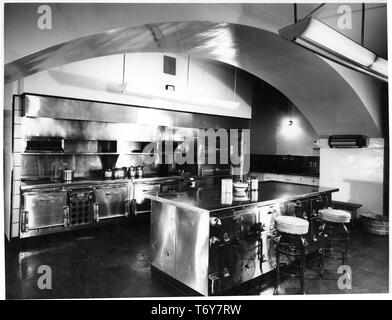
<point x="67" y="175"/>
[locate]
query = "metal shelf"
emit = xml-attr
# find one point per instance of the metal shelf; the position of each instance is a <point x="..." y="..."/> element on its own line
<point x="82" y="153"/>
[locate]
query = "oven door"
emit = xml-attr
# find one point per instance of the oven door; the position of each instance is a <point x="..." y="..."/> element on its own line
<point x="111" y="202"/>
<point x="43" y="209"/>
<point x="140" y="204"/>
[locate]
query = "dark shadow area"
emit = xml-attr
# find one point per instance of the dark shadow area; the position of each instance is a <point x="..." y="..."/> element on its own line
<point x="114" y="261"/>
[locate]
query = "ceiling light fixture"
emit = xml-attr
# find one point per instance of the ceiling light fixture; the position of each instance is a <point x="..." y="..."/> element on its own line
<point x="160" y="96"/>
<point x="325" y="41"/>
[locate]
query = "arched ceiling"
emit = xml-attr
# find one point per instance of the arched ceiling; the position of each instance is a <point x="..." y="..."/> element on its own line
<point x="326" y="98"/>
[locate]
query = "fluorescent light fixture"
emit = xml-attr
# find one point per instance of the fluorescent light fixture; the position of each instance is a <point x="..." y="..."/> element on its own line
<point x="318" y="37"/>
<point x="172" y="96"/>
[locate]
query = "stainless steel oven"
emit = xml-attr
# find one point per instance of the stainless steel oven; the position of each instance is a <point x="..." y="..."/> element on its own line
<point x="141" y="205"/>
<point x="80" y="207"/>
<point x="111" y="201"/>
<point x="42" y="209"/>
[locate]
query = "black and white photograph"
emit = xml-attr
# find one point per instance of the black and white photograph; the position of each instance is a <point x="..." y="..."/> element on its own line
<point x="195" y="150"/>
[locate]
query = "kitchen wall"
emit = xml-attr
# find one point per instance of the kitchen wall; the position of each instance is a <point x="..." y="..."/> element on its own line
<point x="85" y="124"/>
<point x="270" y="130"/>
<point x="11" y="164"/>
<point x="100" y="79"/>
<point x="358" y="173"/>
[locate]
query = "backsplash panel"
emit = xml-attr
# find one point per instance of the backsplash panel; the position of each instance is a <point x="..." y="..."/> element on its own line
<point x="306" y="165"/>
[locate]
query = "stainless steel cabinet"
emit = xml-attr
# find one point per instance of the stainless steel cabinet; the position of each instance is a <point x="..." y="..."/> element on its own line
<point x="43" y="209"/>
<point x="111" y="202"/>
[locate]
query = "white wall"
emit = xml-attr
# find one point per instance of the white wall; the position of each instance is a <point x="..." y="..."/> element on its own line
<point x="358" y="173"/>
<point x="100" y="78"/>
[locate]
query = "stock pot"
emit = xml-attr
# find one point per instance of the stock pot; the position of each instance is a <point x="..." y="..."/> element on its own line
<point x="67" y="174"/>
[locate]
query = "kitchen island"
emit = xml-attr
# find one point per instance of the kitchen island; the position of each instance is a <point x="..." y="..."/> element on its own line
<point x="212" y="241"/>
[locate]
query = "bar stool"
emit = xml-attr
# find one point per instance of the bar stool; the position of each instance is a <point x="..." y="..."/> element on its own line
<point x="290" y="242"/>
<point x="333" y="232"/>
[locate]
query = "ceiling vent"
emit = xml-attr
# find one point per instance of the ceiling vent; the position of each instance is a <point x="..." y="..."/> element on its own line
<point x="347" y="141"/>
<point x="169" y="65"/>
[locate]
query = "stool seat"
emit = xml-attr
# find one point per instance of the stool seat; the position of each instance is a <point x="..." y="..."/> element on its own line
<point x="291" y="225"/>
<point x="334" y="215"/>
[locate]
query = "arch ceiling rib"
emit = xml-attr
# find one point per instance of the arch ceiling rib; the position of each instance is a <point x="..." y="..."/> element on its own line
<point x="314" y="86"/>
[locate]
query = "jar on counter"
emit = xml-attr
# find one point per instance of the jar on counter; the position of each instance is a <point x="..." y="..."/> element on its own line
<point x="254" y="184"/>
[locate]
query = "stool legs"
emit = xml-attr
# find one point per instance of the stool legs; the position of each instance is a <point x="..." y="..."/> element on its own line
<point x="277" y="272"/>
<point x="347" y="234"/>
<point x="303" y="270"/>
<point x="302" y="265"/>
<point x="322" y="257"/>
<point x="325" y="234"/>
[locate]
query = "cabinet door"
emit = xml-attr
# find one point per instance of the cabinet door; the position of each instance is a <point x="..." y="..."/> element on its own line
<point x="191" y="246"/>
<point x="44" y="210"/>
<point x="111" y="201"/>
<point x="162" y="241"/>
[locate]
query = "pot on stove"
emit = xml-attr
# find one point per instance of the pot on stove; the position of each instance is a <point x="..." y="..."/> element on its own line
<point x="139" y="171"/>
<point x="131" y="172"/>
<point x="67" y="175"/>
<point x="108" y="173"/>
<point x="119" y="173"/>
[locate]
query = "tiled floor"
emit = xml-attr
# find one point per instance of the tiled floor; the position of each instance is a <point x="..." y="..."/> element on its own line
<point x="113" y="261"/>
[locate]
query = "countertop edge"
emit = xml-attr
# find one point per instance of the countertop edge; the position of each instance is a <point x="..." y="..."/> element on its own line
<point x="193" y="208"/>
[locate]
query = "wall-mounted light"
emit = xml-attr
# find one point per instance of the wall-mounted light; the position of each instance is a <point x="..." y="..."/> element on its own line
<point x="325" y="41"/>
<point x="289" y="128"/>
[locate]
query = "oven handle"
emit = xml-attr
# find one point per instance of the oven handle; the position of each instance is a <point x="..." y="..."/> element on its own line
<point x="96" y="212"/>
<point x="127" y="208"/>
<point x="66" y="216"/>
<point x="47" y="226"/>
<point x="25" y="221"/>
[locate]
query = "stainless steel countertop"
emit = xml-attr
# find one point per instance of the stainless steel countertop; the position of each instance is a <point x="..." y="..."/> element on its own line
<point x="210" y="199"/>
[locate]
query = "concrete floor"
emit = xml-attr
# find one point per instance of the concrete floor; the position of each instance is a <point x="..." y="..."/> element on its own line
<point x="113" y="261"/>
